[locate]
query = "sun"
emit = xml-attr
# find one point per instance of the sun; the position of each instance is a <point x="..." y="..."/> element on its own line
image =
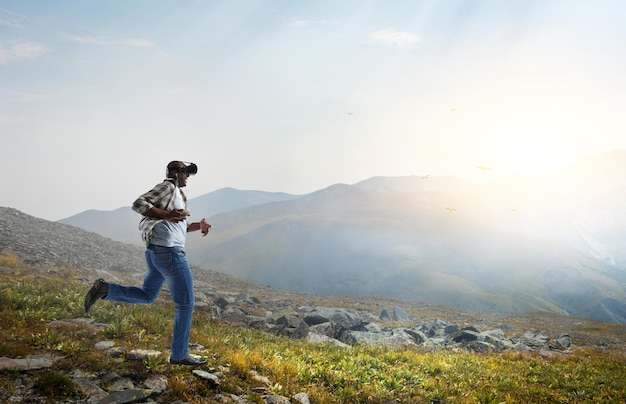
<point x="530" y="153"/>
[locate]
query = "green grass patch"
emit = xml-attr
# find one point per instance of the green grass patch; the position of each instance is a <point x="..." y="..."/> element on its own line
<point x="30" y="301"/>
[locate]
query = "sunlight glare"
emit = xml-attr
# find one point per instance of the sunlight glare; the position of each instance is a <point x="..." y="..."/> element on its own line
<point x="531" y="153"/>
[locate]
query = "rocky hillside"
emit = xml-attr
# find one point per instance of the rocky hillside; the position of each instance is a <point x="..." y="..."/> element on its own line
<point x="42" y="243"/>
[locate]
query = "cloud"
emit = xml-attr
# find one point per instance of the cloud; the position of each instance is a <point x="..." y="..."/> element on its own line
<point x="6" y="120"/>
<point x="310" y="23"/>
<point x="138" y="43"/>
<point x="28" y="97"/>
<point x="11" y="19"/>
<point x="11" y="51"/>
<point x="391" y="37"/>
<point x="87" y="40"/>
<point x="92" y="40"/>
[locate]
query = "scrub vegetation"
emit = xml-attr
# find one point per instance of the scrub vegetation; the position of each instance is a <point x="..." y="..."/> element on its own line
<point x="32" y="298"/>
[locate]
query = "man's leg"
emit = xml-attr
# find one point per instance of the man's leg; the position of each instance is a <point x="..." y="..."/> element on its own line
<point x="152" y="284"/>
<point x="180" y="283"/>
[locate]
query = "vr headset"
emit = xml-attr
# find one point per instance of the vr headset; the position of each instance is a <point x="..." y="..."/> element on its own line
<point x="188" y="169"/>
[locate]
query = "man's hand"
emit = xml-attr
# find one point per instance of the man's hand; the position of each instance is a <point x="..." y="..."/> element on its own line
<point x="204" y="227"/>
<point x="177" y="215"/>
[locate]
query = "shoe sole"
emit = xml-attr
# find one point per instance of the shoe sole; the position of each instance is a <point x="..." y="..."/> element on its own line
<point x="89" y="298"/>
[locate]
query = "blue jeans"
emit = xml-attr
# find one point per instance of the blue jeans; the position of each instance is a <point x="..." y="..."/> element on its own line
<point x="165" y="264"/>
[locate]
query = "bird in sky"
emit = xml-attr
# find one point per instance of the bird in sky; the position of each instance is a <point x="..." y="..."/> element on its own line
<point x="484" y="168"/>
<point x="451" y="209"/>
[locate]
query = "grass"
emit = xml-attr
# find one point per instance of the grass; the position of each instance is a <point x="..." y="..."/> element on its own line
<point x="31" y="299"/>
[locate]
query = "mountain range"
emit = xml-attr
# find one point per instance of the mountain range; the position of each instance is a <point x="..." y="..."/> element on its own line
<point x="507" y="245"/>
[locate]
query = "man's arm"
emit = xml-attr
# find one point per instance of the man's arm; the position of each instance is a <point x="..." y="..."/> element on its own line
<point x="201" y="225"/>
<point x="174" y="215"/>
<point x="154" y="203"/>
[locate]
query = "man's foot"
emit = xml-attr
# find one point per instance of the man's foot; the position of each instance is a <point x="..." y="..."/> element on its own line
<point x="188" y="361"/>
<point x="99" y="290"/>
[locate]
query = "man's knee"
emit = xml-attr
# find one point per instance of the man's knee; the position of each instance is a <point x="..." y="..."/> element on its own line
<point x="184" y="306"/>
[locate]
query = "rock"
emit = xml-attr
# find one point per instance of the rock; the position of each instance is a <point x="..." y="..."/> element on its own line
<point x="534" y="340"/>
<point x="315" y="338"/>
<point x="465" y="336"/>
<point x="104" y="344"/>
<point x="345" y="318"/>
<point x="399" y="314"/>
<point x="31" y="362"/>
<point x="116" y="352"/>
<point x="126" y="396"/>
<point x="260" y="378"/>
<point x="373" y="327"/>
<point x="89" y="388"/>
<point x="302" y="398"/>
<point x="121" y="384"/>
<point x="141" y="354"/>
<point x="564" y="342"/>
<point x="210" y="377"/>
<point x="326" y="328"/>
<point x="234" y="314"/>
<point x="259" y="323"/>
<point x="480" y="346"/>
<point x="276" y="399"/>
<point x="156" y="383"/>
<point x="220" y="302"/>
<point x="301" y="331"/>
<point x="290" y="321"/>
<point x="418" y="336"/>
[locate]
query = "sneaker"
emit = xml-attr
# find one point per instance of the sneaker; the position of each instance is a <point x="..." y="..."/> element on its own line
<point x="188" y="361"/>
<point x="99" y="290"/>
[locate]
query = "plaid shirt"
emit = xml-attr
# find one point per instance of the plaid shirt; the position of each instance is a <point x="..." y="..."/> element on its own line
<point x="162" y="196"/>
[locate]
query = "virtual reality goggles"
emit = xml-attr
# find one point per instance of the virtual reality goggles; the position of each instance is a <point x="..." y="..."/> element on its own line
<point x="188" y="169"/>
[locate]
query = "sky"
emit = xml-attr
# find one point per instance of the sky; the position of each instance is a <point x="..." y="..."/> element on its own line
<point x="96" y="97"/>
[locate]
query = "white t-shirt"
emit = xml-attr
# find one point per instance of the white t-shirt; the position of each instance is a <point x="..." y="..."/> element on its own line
<point x="170" y="234"/>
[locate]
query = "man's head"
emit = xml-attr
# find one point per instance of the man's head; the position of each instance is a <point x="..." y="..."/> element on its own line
<point x="178" y="171"/>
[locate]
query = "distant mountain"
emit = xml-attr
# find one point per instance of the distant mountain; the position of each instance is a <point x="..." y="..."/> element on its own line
<point x="347" y="241"/>
<point x="119" y="224"/>
<point x="122" y="224"/>
<point x="228" y="199"/>
<point x="510" y="245"/>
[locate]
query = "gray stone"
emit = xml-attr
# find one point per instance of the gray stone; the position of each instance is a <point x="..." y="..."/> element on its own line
<point x="326" y="328"/>
<point x="276" y="399"/>
<point x="465" y="336"/>
<point x="121" y="384"/>
<point x="156" y="383"/>
<point x="210" y="377"/>
<point x="564" y="342"/>
<point x="301" y="331"/>
<point x="89" y="388"/>
<point x="315" y="338"/>
<point x="302" y="398"/>
<point x="104" y="344"/>
<point x="31" y="362"/>
<point x="141" y="354"/>
<point x="399" y="314"/>
<point x="418" y="336"/>
<point x="126" y="396"/>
